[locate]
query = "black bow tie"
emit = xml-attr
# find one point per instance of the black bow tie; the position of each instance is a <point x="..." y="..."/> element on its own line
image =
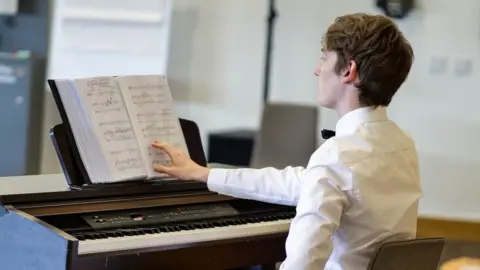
<point x="327" y="134"/>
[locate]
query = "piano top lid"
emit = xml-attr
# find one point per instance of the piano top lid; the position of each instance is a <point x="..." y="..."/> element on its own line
<point x="33" y="189"/>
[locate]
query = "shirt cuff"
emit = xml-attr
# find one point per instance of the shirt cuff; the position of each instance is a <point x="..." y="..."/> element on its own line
<point x="217" y="179"/>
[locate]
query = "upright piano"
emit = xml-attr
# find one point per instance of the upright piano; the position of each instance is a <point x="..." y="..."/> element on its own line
<point x="164" y="224"/>
<point x="147" y="225"/>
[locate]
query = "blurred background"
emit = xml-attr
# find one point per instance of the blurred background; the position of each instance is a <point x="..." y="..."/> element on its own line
<point x="214" y="53"/>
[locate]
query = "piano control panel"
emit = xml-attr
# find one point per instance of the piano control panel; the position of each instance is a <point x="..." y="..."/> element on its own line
<point x="144" y="217"/>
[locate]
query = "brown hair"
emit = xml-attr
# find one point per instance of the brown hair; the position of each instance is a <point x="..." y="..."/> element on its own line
<point x="382" y="54"/>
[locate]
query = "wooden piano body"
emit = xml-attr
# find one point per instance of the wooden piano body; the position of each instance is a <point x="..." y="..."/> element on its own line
<point x="190" y="228"/>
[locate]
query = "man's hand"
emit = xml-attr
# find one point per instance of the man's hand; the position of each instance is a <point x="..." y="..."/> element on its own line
<point x="182" y="166"/>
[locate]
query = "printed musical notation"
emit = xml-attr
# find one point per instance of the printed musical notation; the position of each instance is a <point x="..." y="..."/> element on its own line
<point x="146" y="98"/>
<point x="119" y="134"/>
<point x="117" y="130"/>
<point x="103" y="95"/>
<point x="153" y="116"/>
<point x="127" y="159"/>
<point x="159" y="131"/>
<point x="107" y="105"/>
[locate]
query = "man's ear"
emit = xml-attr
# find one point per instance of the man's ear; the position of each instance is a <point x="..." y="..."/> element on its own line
<point x="349" y="74"/>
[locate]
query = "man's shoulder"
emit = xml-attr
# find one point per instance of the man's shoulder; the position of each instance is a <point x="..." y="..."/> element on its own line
<point x="343" y="149"/>
<point x="352" y="148"/>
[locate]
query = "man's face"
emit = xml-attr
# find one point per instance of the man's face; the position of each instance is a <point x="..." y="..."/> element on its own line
<point x="329" y="82"/>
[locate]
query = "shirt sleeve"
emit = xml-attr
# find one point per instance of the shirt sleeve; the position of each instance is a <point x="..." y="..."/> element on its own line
<point x="319" y="211"/>
<point x="267" y="185"/>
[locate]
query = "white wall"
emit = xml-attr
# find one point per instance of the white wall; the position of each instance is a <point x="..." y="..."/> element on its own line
<point x="436" y="108"/>
<point x="216" y="61"/>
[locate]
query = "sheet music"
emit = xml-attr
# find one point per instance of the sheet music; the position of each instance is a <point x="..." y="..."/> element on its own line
<point x="112" y="126"/>
<point x="151" y="109"/>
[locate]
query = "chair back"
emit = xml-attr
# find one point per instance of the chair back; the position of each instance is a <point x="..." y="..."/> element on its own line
<point x="287" y="136"/>
<point x="414" y="254"/>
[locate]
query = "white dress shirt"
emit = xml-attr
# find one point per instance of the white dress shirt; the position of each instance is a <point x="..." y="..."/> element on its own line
<point x="359" y="189"/>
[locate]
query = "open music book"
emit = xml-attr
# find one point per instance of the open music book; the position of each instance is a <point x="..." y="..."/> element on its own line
<point x="116" y="119"/>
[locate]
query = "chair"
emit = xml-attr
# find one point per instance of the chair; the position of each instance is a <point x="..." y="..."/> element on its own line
<point x="287" y="136"/>
<point x="414" y="254"/>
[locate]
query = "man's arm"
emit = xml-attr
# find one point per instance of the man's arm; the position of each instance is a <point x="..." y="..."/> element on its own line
<point x="319" y="211"/>
<point x="267" y="185"/>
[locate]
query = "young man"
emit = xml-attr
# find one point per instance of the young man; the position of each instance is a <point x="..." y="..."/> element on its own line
<point x="361" y="187"/>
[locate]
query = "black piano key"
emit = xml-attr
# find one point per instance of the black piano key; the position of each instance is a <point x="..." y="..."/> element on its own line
<point x="89" y="236"/>
<point x="241" y="221"/>
<point x="111" y="234"/>
<point x="80" y="237"/>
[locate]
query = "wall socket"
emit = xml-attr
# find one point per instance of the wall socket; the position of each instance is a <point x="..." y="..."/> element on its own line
<point x="438" y="65"/>
<point x="463" y="67"/>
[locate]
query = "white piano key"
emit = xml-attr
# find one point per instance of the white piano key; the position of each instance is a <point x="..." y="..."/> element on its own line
<point x="166" y="239"/>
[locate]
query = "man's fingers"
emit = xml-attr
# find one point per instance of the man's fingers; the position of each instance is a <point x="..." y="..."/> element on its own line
<point x="162" y="169"/>
<point x="165" y="147"/>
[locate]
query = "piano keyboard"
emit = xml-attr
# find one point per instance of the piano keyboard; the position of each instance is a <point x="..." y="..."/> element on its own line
<point x="177" y="234"/>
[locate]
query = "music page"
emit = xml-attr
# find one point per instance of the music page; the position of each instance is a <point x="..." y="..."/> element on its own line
<point x="151" y="109"/>
<point x="112" y="126"/>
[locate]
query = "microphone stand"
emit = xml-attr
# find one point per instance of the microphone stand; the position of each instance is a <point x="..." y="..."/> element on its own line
<point x="272" y="14"/>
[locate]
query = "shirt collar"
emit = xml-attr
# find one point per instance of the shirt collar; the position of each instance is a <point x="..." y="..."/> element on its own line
<point x="349" y="123"/>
